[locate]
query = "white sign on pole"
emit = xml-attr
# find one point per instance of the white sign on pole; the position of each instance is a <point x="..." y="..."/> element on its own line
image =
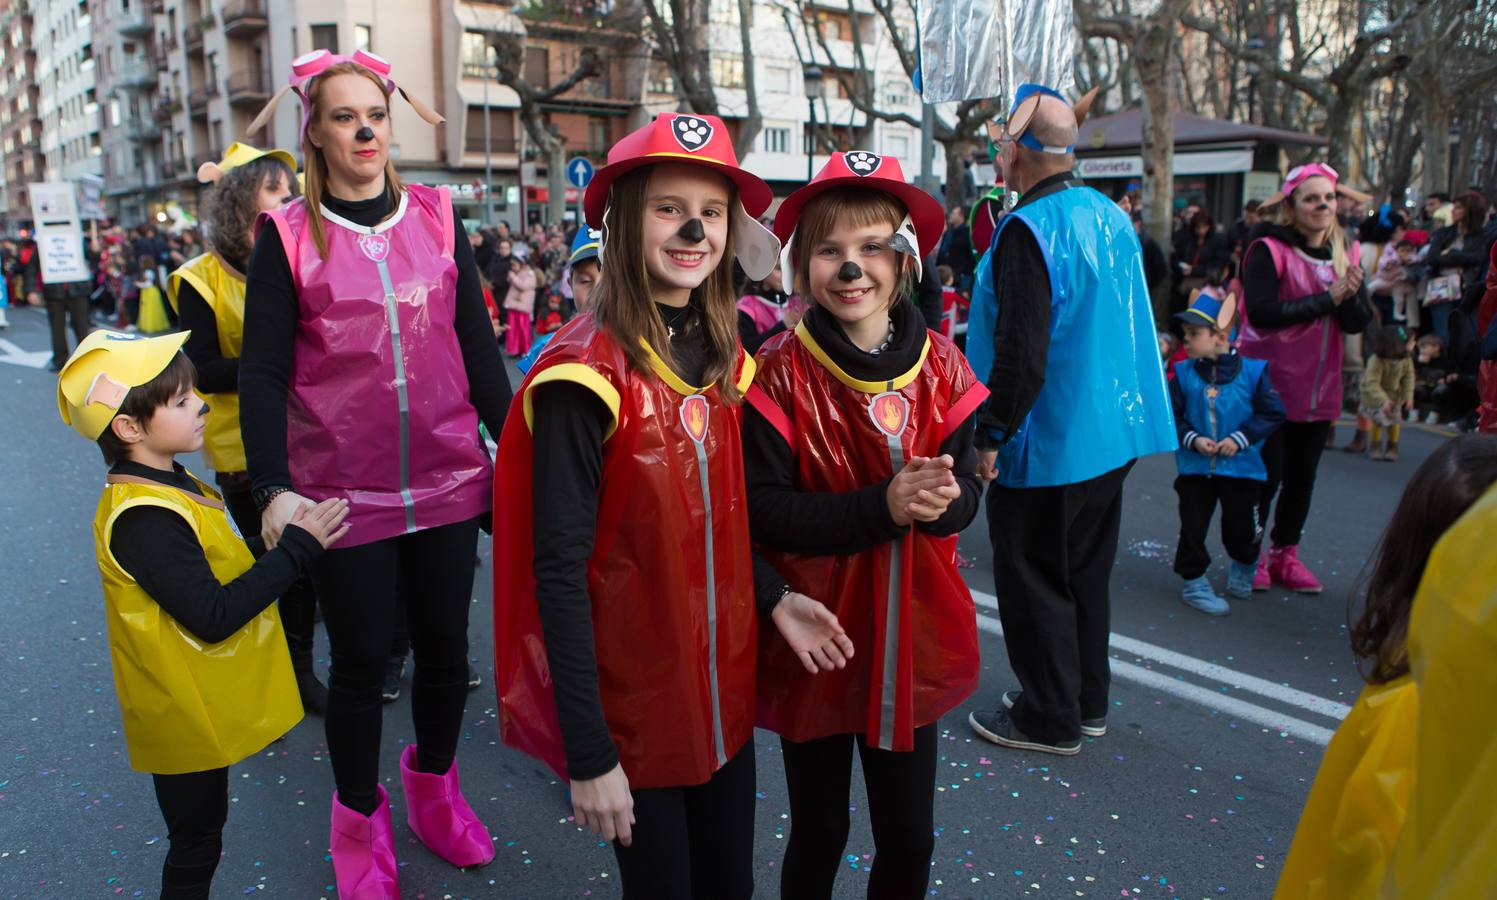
<point x="59" y="237"/>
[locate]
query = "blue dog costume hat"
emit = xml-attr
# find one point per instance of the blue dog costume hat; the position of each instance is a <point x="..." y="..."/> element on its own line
<point x="1027" y="99"/>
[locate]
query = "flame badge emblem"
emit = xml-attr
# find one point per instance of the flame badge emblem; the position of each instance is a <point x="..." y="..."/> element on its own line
<point x="694" y="417"/>
<point x="890" y="413"/>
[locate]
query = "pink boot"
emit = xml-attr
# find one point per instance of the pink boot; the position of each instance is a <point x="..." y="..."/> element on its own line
<point x="364" y="852"/>
<point x="440" y="817"/>
<point x="1262" y="579"/>
<point x="1285" y="566"/>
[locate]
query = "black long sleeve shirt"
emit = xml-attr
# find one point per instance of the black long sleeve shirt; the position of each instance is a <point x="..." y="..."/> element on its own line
<point x="160" y="551"/>
<point x="567" y="429"/>
<point x="1260" y="289"/>
<point x="217" y="374"/>
<point x="270" y="322"/>
<point x="784" y="517"/>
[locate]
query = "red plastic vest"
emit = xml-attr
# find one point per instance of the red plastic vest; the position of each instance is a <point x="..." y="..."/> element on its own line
<point x="904" y="605"/>
<point x="671" y="578"/>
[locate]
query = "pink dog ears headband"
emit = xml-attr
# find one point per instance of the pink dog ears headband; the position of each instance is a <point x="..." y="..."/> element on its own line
<point x="1301" y="174"/>
<point x="305" y="68"/>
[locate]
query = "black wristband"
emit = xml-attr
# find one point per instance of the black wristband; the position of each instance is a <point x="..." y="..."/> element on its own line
<point x="264" y="496"/>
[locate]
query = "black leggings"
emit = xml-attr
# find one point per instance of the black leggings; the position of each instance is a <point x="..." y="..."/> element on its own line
<point x="299" y="602"/>
<point x="1292" y="455"/>
<point x="195" y="807"/>
<point x="901" y="796"/>
<point x="358" y="587"/>
<point x="694" y="843"/>
<point x="1199" y="496"/>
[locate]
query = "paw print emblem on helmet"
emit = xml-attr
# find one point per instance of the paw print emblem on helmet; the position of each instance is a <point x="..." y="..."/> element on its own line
<point x="861" y="162"/>
<point x="691" y="132"/>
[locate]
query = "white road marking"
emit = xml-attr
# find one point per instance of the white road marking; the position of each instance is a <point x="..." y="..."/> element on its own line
<point x="14" y="355"/>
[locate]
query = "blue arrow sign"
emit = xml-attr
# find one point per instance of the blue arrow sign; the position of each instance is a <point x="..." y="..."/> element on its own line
<point x="579" y="172"/>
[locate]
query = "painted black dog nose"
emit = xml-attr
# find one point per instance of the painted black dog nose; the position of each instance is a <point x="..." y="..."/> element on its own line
<point x="849" y="271"/>
<point x="364" y="134"/>
<point x="692" y="232"/>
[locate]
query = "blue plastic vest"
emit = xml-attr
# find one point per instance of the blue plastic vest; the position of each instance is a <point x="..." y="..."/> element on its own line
<point x="1104" y="400"/>
<point x="1216" y="418"/>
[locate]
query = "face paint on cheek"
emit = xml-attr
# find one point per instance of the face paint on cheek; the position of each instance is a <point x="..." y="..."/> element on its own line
<point x="850" y="271"/>
<point x="692" y="232"/>
<point x="364" y="134"/>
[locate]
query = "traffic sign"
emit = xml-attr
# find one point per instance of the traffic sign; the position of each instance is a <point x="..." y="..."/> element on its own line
<point x="579" y="171"/>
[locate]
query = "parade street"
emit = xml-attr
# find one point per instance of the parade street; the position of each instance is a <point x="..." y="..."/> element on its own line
<point x="1215" y="728"/>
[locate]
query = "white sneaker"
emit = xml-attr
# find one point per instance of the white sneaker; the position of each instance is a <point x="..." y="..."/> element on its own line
<point x="1432" y="419"/>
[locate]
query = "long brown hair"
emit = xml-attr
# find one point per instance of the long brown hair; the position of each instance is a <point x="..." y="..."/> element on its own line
<point x="1440" y="491"/>
<point x="622" y="302"/>
<point x="316" y="165"/>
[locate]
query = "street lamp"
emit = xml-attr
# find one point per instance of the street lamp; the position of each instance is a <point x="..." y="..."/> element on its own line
<point x="812" y="76"/>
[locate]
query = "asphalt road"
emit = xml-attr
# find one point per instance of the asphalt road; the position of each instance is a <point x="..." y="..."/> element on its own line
<point x="1216" y="725"/>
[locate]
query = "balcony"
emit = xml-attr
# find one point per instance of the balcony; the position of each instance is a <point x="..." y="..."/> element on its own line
<point x="245" y="18"/>
<point x="192" y="37"/>
<point x="137" y="73"/>
<point x="141" y="130"/>
<point x="158" y="59"/>
<point x="133" y="22"/>
<point x="197" y="101"/>
<point x="249" y="88"/>
<point x="164" y="111"/>
<point x="170" y="43"/>
<point x="496" y="146"/>
<point x="125" y="182"/>
<point x="172" y="169"/>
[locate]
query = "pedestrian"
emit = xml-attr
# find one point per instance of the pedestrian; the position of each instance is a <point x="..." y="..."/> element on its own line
<point x="1396" y="278"/>
<point x="1225" y="407"/>
<point x="519" y="304"/>
<point x="861" y="472"/>
<point x="200" y="664"/>
<point x="1387" y="389"/>
<point x="1201" y="255"/>
<point x="151" y="316"/>
<point x="1302" y="284"/>
<point x="767" y="310"/>
<point x="584" y="268"/>
<point x="1241" y="232"/>
<point x="1078" y="394"/>
<point x="622" y="540"/>
<point x="1370" y="775"/>
<point x="1486" y="322"/>
<point x="64" y="300"/>
<point x="956" y="246"/>
<point x="368" y="361"/>
<point x="1455" y="256"/>
<point x="207" y="292"/>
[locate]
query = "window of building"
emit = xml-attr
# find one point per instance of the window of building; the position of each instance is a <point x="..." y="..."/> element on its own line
<point x="325" y="37"/>
<point x="597" y="135"/>
<point x="475" y="48"/>
<point x="538" y="66"/>
<point x="661" y="80"/>
<point x="775" y="140"/>
<point x="775" y="79"/>
<point x="897" y="145"/>
<point x="362" y="37"/>
<point x="727" y="70"/>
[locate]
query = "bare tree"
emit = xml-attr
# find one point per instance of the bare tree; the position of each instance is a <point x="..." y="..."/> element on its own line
<point x="681" y="30"/>
<point x="1453" y="71"/>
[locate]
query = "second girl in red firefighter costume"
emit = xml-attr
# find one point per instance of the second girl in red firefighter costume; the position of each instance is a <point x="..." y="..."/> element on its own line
<point x="624" y="605"/>
<point x="368" y="361"/>
<point x="861" y="471"/>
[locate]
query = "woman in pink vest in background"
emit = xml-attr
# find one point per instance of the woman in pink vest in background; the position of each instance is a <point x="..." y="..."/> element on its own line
<point x="1302" y="289"/>
<point x="368" y="363"/>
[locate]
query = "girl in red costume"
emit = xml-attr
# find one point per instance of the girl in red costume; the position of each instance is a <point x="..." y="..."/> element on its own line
<point x="625" y="603"/>
<point x="861" y="472"/>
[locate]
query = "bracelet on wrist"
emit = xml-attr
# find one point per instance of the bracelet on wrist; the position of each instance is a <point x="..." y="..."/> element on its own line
<point x="265" y="498"/>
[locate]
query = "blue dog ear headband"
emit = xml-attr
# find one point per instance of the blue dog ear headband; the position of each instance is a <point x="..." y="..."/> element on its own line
<point x="1015" y="126"/>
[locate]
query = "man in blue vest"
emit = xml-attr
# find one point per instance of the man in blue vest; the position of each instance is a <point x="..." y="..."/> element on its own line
<point x="1062" y="331"/>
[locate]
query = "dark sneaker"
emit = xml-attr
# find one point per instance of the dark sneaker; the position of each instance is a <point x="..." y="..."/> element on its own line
<point x="394" y="671"/>
<point x="998" y="728"/>
<point x="474" y="679"/>
<point x="1089" y="727"/>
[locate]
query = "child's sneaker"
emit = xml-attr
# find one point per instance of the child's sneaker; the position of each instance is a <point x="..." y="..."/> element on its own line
<point x="1285" y="566"/>
<point x="1240" y="578"/>
<point x="1198" y="595"/>
<point x="1263" y="578"/>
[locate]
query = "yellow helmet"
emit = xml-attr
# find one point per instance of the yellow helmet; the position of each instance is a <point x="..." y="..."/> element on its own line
<point x="240" y="154"/>
<point x="92" y="385"/>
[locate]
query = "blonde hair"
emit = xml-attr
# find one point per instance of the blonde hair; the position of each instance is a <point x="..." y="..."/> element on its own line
<point x="623" y="305"/>
<point x="316" y="164"/>
<point x="857" y="208"/>
<point x="1335" y="236"/>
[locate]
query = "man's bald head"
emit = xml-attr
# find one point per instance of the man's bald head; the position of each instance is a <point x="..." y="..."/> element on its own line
<point x="1053" y="125"/>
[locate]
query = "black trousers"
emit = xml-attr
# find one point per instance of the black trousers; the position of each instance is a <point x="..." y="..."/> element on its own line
<point x="299" y="603"/>
<point x="691" y="843"/>
<point x="195" y="807"/>
<point x="358" y="588"/>
<point x="1292" y="455"/>
<point x="58" y="311"/>
<point x="901" y="798"/>
<point x="1053" y="551"/>
<point x="1199" y="496"/>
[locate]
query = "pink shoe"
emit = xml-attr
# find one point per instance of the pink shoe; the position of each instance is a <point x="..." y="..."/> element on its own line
<point x="364" y="852"/>
<point x="440" y="817"/>
<point x="1262" y="579"/>
<point x="1285" y="566"/>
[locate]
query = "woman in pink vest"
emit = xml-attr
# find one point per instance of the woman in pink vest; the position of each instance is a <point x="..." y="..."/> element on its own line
<point x="1302" y="287"/>
<point x="368" y="363"/>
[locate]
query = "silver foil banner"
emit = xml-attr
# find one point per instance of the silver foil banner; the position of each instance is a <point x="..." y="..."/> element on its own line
<point x="974" y="49"/>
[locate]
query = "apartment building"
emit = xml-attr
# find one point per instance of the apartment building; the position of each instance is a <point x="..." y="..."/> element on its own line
<point x="20" y="116"/>
<point x="67" y="101"/>
<point x="127" y="66"/>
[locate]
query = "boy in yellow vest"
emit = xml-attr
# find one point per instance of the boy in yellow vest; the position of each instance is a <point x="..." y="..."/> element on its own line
<point x="191" y="614"/>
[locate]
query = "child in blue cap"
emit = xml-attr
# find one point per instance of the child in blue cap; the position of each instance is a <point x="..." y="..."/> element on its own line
<point x="583" y="268"/>
<point x="1225" y="406"/>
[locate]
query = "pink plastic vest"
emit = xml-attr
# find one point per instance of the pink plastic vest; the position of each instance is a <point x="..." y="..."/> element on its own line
<point x="379" y="409"/>
<point x="1304" y="359"/>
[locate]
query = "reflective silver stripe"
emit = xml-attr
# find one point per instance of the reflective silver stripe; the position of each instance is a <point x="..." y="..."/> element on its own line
<point x="891" y="620"/>
<point x="717" y="712"/>
<point x="393" y="314"/>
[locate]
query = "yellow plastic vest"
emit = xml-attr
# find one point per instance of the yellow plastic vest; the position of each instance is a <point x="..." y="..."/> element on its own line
<point x="223" y="290"/>
<point x="1356" y="808"/>
<point x="188" y="706"/>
